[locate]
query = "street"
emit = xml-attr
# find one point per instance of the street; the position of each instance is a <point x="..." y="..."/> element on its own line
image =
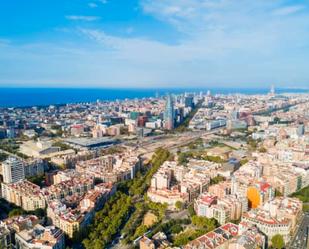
<point x="299" y="239"/>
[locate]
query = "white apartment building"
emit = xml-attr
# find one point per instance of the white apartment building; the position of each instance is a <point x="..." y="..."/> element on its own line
<point x="13" y="170"/>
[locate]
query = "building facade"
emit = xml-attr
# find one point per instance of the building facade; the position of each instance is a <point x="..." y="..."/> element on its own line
<point x="169" y="113"/>
<point x="13" y="170"/>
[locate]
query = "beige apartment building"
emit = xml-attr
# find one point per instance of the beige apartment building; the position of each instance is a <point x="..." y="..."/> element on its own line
<point x="24" y="194"/>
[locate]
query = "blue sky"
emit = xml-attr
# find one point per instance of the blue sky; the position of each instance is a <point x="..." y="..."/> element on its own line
<point x="154" y="43"/>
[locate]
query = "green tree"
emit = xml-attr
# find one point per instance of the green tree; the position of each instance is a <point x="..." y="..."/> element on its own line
<point x="140" y="231"/>
<point x="40" y="212"/>
<point x="179" y="205"/>
<point x="204" y="223"/>
<point x="253" y="143"/>
<point x="263" y="150"/>
<point x="16" y="212"/>
<point x="98" y="244"/>
<point x="302" y="194"/>
<point x="177" y="228"/>
<point x="186" y="236"/>
<point x="38" y="180"/>
<point x="124" y="212"/>
<point x="243" y="161"/>
<point x="217" y="179"/>
<point x="191" y="210"/>
<point x="277" y="193"/>
<point x="3" y="156"/>
<point x="305" y="207"/>
<point x="277" y="241"/>
<point x="215" y="159"/>
<point x="97" y="181"/>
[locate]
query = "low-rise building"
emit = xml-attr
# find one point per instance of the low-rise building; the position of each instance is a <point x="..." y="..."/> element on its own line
<point x="19" y="223"/>
<point x="40" y="237"/>
<point x="38" y="149"/>
<point x="159" y="240"/>
<point x="249" y="237"/>
<point x="146" y="243"/>
<point x="5" y="238"/>
<point x="218" y="238"/>
<point x="110" y="168"/>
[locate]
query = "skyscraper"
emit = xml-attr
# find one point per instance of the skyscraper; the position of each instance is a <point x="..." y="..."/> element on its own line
<point x="189" y="101"/>
<point x="169" y="113"/>
<point x="13" y="170"/>
<point x="272" y="90"/>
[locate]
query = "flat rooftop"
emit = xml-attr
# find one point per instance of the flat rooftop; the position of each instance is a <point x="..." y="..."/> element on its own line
<point x="91" y="142"/>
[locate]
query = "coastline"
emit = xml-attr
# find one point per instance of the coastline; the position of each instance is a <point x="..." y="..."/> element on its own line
<point x="13" y="97"/>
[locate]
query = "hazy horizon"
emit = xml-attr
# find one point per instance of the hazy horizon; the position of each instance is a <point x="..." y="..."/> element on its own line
<point x="26" y="96"/>
<point x="183" y="88"/>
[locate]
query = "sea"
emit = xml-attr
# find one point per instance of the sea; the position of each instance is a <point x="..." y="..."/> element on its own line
<point x="27" y="97"/>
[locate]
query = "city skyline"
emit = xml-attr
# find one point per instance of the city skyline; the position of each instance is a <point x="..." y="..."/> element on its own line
<point x="154" y="124"/>
<point x="144" y="43"/>
<point x="180" y="170"/>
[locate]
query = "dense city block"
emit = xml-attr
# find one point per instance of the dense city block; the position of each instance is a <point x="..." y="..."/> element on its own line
<point x="191" y="170"/>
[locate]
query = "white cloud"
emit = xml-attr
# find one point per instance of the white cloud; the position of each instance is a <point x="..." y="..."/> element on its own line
<point x="241" y="40"/>
<point x="4" y="42"/>
<point x="103" y="1"/>
<point x="129" y="30"/>
<point x="222" y="42"/>
<point x="288" y="10"/>
<point x="92" y="5"/>
<point x="82" y="18"/>
<point x="192" y="15"/>
<point x="242" y="25"/>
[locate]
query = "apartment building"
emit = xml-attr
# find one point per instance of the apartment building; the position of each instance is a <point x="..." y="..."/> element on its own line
<point x="278" y="216"/>
<point x="222" y="209"/>
<point x="24" y="194"/>
<point x="40" y="237"/>
<point x="13" y="170"/>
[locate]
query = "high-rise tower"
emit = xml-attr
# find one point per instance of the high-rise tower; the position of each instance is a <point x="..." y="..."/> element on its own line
<point x="272" y="90"/>
<point x="169" y="113"/>
<point x="13" y="170"/>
